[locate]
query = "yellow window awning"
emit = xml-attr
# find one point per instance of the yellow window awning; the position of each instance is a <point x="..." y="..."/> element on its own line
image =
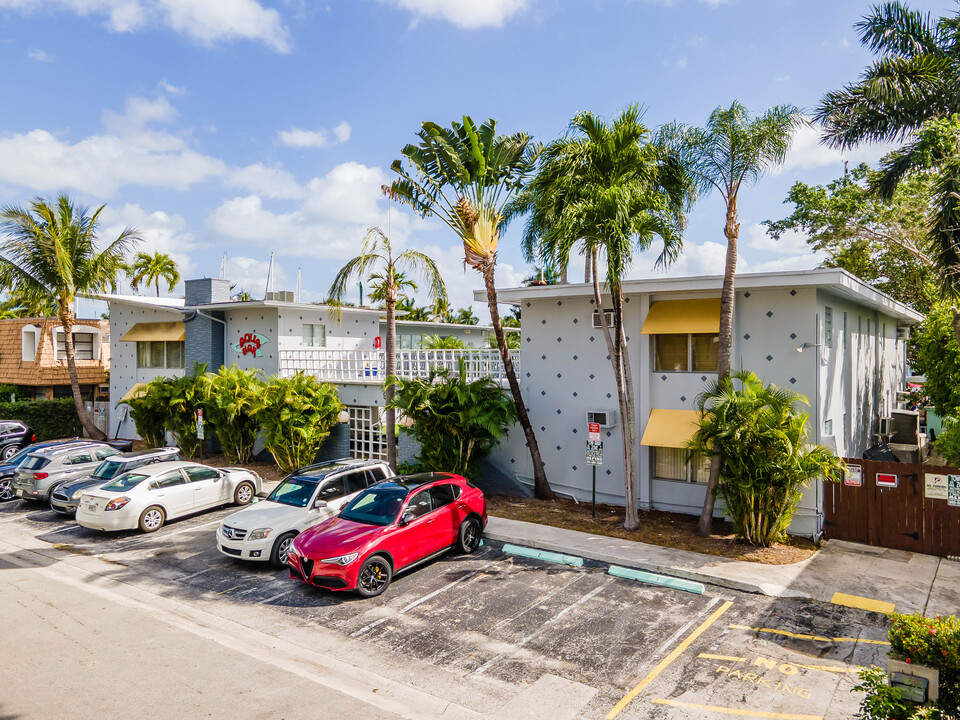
<point x="136" y="391"/>
<point x="158" y="331"/>
<point x="679" y="317"/>
<point x="670" y="428"/>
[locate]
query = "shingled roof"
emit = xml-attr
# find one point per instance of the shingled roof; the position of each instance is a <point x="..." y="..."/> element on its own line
<point x="46" y="370"/>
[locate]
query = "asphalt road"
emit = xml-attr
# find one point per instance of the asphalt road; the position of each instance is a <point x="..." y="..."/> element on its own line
<point x="491" y="634"/>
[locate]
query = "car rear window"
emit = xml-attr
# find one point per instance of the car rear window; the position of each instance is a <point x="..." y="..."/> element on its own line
<point x="108" y="469"/>
<point x="124" y="482"/>
<point x="34" y="462"/>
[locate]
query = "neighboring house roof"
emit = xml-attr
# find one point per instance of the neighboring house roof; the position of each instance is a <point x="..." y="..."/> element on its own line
<point x="832" y="279"/>
<point x="45" y="369"/>
<point x="430" y="325"/>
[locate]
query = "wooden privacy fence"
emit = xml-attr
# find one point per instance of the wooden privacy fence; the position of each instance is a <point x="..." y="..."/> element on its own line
<point x="895" y="505"/>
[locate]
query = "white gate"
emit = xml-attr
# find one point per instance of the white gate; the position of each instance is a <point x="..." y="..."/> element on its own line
<point x="366" y="440"/>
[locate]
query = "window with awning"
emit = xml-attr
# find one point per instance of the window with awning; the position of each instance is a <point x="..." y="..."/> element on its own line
<point x="667" y="433"/>
<point x="156" y="332"/>
<point x="686" y="334"/>
<point x="136" y="391"/>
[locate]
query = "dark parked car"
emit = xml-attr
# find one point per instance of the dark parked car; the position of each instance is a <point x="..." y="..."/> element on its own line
<point x="14" y="437"/>
<point x="9" y="466"/>
<point x="65" y="497"/>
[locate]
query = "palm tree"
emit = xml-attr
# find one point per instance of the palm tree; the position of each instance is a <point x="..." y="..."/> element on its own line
<point x="51" y="251"/>
<point x="465" y="175"/>
<point x="411" y="312"/>
<point x="734" y="149"/>
<point x="377" y="250"/>
<point x="608" y="188"/>
<point x="435" y="342"/>
<point x="150" y="269"/>
<point x="466" y="316"/>
<point x="379" y="281"/>
<point x="909" y="93"/>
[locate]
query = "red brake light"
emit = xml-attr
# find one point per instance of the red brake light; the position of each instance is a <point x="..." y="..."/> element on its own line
<point x="40" y="476"/>
<point x="33" y="438"/>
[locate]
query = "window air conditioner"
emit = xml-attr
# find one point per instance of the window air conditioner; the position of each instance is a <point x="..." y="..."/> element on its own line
<point x="903" y="332"/>
<point x="886" y="426"/>
<point x="603" y="418"/>
<point x="596" y="318"/>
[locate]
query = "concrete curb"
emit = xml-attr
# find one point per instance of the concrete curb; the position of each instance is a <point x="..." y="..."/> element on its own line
<point x="771" y="590"/>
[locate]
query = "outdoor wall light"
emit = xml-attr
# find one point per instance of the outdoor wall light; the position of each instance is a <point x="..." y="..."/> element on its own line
<point x="807" y="345"/>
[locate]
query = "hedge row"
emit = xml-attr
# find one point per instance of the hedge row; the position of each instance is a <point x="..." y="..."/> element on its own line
<point x="50" y="419"/>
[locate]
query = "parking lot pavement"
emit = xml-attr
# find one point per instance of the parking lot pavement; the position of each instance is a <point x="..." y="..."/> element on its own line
<point x="500" y="626"/>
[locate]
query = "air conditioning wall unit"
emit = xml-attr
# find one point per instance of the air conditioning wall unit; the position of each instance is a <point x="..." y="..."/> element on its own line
<point x="596" y="318"/>
<point x="603" y="418"/>
<point x="280" y="296"/>
<point x="885" y="426"/>
<point x="903" y="332"/>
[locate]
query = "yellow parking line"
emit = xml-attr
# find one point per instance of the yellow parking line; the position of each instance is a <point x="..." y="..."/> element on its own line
<point x="830" y="668"/>
<point x="625" y="700"/>
<point x="802" y="636"/>
<point x="727" y="658"/>
<point x="222" y="592"/>
<point x="738" y="711"/>
<point x="855" y="601"/>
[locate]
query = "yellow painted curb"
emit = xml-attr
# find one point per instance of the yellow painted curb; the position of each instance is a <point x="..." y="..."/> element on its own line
<point x="855" y="601"/>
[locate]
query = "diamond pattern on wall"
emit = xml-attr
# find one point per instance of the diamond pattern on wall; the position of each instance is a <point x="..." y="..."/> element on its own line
<point x="528" y="374"/>
<point x="769" y="358"/>
<point x="609" y="434"/>
<point x="543" y="322"/>
<point x="792" y="380"/>
<point x="746" y="295"/>
<point x="663" y="377"/>
<point x="559" y="375"/>
<point x="574" y="431"/>
<point x="573" y="467"/>
<point x="746" y="336"/>
<point x="769" y="313"/>
<point x="683" y="398"/>
<point x="575" y="357"/>
<point x="575" y="394"/>
<point x="591" y="376"/>
<point x="591" y="338"/>
<point x="609" y="396"/>
<point x="543" y="357"/>
<point x="543" y="393"/>
<point x="559" y="411"/>
<point x="703" y="378"/>
<point x="575" y="321"/>
<point x="559" y="303"/>
<point x="793" y="336"/>
<point x="559" y="339"/>
<point x="792" y="293"/>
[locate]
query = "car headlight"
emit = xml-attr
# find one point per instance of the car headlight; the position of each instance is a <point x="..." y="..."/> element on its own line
<point x="259" y="533"/>
<point x="77" y="494"/>
<point x="342" y="559"/>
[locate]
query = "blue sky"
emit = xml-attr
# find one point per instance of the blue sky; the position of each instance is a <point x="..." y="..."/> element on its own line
<point x="248" y="126"/>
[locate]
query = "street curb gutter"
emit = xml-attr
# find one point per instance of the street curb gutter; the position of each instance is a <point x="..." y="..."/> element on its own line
<point x="611" y="559"/>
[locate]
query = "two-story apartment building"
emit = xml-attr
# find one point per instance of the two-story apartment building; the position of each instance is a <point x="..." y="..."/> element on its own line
<point x="822" y="333"/>
<point x="155" y="337"/>
<point x="33" y="357"/>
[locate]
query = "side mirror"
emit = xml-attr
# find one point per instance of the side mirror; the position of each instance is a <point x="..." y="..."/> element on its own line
<point x="407" y="518"/>
<point x="319" y="504"/>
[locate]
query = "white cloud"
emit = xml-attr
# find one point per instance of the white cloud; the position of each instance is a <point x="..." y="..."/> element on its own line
<point x="250" y="274"/>
<point x="171" y="89"/>
<point x="782" y="79"/>
<point x="790" y="243"/>
<point x="207" y="21"/>
<point x="466" y="14"/>
<point x="297" y="137"/>
<point x="39" y="55"/>
<point x="271" y="182"/>
<point x="807" y="152"/>
<point x="138" y="113"/>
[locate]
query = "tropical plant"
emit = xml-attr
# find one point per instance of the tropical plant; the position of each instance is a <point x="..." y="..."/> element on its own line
<point x="765" y="460"/>
<point x="607" y="189"/>
<point x="296" y="414"/>
<point x="881" y="241"/>
<point x="378" y="251"/>
<point x="732" y="150"/>
<point x="435" y="342"/>
<point x="411" y="312"/>
<point x="456" y="422"/>
<point x="229" y="408"/>
<point x="379" y="282"/>
<point x="17" y="306"/>
<point x="151" y="269"/>
<point x="908" y="94"/>
<point x="466" y="316"/>
<point x="948" y="441"/>
<point x="50" y="255"/>
<point x="542" y="275"/>
<point x="513" y="340"/>
<point x="465" y="175"/>
<point x="148" y="410"/>
<point x="178" y="399"/>
<point x="936" y="354"/>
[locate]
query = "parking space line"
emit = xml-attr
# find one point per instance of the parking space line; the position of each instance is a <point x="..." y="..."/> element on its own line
<point x="277" y="596"/>
<point x="863" y="603"/>
<point x="593" y="593"/>
<point x="618" y="708"/>
<point x="224" y="592"/>
<point x="804" y="636"/>
<point x="725" y="658"/>
<point x="737" y="711"/>
<point x="63" y="529"/>
<point x="429" y="596"/>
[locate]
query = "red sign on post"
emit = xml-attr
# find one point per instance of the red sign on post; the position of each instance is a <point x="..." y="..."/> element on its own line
<point x="593" y="432"/>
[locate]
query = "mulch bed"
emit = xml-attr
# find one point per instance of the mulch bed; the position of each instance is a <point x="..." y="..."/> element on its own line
<point x="656" y="528"/>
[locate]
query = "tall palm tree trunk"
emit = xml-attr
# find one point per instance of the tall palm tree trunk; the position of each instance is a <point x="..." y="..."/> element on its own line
<point x="629" y="430"/>
<point x="631" y="520"/>
<point x="66" y="321"/>
<point x="157" y="284"/>
<point x="587" y="272"/>
<point x="391" y="368"/>
<point x="541" y="489"/>
<point x="732" y="231"/>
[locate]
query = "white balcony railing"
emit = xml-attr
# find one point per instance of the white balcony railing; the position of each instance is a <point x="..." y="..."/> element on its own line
<point x="370" y="365"/>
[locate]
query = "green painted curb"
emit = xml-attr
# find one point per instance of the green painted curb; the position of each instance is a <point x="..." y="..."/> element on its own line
<point x="654" y="579"/>
<point x="543" y="555"/>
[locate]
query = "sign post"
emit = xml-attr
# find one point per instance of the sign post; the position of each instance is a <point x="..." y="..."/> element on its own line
<point x="200" y="432"/>
<point x="594" y="457"/>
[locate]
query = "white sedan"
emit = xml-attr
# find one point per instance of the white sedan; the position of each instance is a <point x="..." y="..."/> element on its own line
<point x="147" y="497"/>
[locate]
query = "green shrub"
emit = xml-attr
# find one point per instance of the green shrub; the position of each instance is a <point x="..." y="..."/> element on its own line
<point x="178" y="399"/>
<point x="229" y="402"/>
<point x="948" y="441"/>
<point x="456" y="422"/>
<point x="410" y="468"/>
<point x="296" y="415"/>
<point x="50" y="419"/>
<point x="934" y="642"/>
<point x="880" y="701"/>
<point x="19" y="393"/>
<point x="149" y="414"/>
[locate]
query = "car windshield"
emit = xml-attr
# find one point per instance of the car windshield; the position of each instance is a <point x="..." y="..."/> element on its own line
<point x="295" y="491"/>
<point x="107" y="469"/>
<point x="34" y="462"/>
<point x="376" y="506"/>
<point x="124" y="482"/>
<point x="18" y="458"/>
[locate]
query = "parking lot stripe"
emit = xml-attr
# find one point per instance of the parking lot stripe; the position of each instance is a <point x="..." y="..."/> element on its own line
<point x="725" y="658"/>
<point x="804" y="636"/>
<point x="737" y="711"/>
<point x="63" y="529"/>
<point x="862" y="603"/>
<point x="618" y="708"/>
